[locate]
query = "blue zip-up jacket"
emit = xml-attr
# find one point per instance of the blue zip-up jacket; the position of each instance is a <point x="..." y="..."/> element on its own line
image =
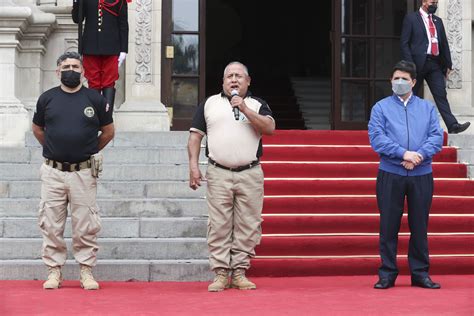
<point x="394" y="129"/>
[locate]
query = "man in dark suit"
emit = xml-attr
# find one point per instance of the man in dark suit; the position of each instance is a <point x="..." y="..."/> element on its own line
<point x="104" y="42"/>
<point x="424" y="42"/>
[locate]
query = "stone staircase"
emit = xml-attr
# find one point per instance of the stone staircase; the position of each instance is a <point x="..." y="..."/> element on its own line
<point x="465" y="144"/>
<point x="154" y="226"/>
<point x="314" y="99"/>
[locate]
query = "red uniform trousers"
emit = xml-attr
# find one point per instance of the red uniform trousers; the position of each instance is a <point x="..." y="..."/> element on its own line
<point x="101" y="71"/>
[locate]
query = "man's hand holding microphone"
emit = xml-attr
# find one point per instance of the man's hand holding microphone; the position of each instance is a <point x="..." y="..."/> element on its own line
<point x="238" y="104"/>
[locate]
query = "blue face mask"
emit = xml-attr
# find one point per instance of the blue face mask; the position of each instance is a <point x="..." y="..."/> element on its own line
<point x="401" y="86"/>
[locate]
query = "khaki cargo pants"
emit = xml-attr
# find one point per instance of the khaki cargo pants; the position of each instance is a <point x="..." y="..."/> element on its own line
<point x="79" y="189"/>
<point x="235" y="201"/>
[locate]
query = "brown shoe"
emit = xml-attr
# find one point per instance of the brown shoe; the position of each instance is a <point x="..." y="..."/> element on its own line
<point x="221" y="281"/>
<point x="240" y="281"/>
<point x="87" y="279"/>
<point x="55" y="278"/>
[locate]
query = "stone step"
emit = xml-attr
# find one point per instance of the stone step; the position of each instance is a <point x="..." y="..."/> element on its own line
<point x="318" y="115"/>
<point x="317" y="126"/>
<point x="125" y="227"/>
<point x="111" y="189"/>
<point x="119" y="207"/>
<point x="115" y="248"/>
<point x="312" y="90"/>
<point x="466" y="156"/>
<point x="316" y="111"/>
<point x="314" y="84"/>
<point x="130" y="172"/>
<point x="302" y="81"/>
<point x="112" y="155"/>
<point x="114" y="270"/>
<point x="317" y="122"/>
<point x="314" y="97"/>
<point x="322" y="108"/>
<point x="135" y="139"/>
<point x="463" y="141"/>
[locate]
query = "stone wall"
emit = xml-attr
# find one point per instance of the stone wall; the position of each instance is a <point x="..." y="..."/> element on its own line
<point x="33" y="33"/>
<point x="32" y="36"/>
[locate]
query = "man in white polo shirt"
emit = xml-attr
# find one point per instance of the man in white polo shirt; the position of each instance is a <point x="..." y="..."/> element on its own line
<point x="234" y="122"/>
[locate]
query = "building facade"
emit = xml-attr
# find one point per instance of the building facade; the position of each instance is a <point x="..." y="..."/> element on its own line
<point x="335" y="54"/>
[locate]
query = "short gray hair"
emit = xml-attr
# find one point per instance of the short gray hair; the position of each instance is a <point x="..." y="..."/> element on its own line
<point x="246" y="71"/>
<point x="66" y="55"/>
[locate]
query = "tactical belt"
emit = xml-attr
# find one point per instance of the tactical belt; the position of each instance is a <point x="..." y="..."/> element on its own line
<point x="236" y="169"/>
<point x="68" y="167"/>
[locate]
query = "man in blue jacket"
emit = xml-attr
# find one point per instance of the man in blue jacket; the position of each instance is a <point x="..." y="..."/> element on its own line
<point x="405" y="131"/>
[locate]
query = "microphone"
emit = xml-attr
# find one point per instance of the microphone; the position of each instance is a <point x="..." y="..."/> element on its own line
<point x="236" y="110"/>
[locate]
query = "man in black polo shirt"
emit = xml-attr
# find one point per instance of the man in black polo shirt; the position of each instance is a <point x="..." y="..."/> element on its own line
<point x="234" y="122"/>
<point x="66" y="122"/>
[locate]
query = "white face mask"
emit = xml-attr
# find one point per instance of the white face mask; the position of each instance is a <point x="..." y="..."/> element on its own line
<point x="401" y="86"/>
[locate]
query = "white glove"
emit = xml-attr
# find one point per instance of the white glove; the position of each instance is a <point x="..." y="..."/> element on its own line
<point x="121" y="58"/>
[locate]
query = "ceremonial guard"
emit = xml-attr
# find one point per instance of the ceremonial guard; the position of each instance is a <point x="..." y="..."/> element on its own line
<point x="104" y="42"/>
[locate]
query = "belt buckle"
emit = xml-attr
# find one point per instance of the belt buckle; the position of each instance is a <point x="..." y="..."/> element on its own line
<point x="65" y="166"/>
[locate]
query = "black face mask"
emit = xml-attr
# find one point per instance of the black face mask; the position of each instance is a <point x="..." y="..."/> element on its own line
<point x="432" y="8"/>
<point x="70" y="78"/>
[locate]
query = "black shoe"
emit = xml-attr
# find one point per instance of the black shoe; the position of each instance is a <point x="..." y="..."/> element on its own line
<point x="459" y="128"/>
<point x="383" y="284"/>
<point x="425" y="283"/>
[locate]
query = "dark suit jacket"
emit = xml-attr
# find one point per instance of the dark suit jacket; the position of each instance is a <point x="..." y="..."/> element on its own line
<point x="113" y="37"/>
<point x="414" y="41"/>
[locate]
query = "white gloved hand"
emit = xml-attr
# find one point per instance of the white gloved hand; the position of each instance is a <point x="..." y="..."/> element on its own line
<point x="121" y="58"/>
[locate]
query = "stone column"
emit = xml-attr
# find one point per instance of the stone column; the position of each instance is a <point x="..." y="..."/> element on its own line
<point x="31" y="52"/>
<point x="14" y="119"/>
<point x="63" y="39"/>
<point x="143" y="110"/>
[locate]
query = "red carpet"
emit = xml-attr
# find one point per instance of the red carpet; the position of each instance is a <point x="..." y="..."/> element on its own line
<point x="320" y="211"/>
<point x="348" y="170"/>
<point x="338" y="153"/>
<point x="314" y="137"/>
<point x="361" y="223"/>
<point x="274" y="296"/>
<point x="357" y="204"/>
<point x="336" y="186"/>
<point x="352" y="245"/>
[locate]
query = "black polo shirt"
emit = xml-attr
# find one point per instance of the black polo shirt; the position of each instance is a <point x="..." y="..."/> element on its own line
<point x="71" y="123"/>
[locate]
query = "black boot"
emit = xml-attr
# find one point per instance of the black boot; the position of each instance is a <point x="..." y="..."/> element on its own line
<point x="109" y="94"/>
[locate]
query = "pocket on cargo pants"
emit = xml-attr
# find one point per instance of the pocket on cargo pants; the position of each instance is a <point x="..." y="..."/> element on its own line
<point x="41" y="215"/>
<point x="95" y="223"/>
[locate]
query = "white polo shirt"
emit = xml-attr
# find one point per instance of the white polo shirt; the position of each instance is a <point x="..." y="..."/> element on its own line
<point x="230" y="142"/>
